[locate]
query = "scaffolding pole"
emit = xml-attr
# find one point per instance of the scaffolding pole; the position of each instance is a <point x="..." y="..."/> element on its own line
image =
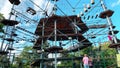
<point x="55" y="30"/>
<point x="110" y="24"/>
<point x="41" y="56"/>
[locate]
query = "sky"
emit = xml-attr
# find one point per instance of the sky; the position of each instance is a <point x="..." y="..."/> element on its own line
<point x="5" y="7"/>
<point x="115" y="5"/>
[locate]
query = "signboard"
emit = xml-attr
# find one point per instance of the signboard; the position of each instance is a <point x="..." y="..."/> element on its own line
<point x="118" y="60"/>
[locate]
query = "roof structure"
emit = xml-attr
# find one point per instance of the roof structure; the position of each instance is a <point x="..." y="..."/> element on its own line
<point x="64" y="24"/>
<point x="65" y="28"/>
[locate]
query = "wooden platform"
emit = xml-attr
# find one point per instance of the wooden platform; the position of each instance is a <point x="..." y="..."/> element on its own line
<point x="64" y="24"/>
<point x="9" y="22"/>
<point x="53" y="49"/>
<point x="15" y="2"/>
<point x="65" y="29"/>
<point x="108" y="13"/>
<point x="4" y="52"/>
<point x="114" y="45"/>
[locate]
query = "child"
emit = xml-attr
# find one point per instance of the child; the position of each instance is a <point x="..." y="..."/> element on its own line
<point x="90" y="62"/>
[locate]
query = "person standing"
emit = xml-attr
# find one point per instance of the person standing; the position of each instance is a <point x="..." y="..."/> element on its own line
<point x="85" y="61"/>
<point x="90" y="62"/>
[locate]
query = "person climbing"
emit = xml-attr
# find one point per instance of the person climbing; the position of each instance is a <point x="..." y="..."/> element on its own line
<point x="110" y="38"/>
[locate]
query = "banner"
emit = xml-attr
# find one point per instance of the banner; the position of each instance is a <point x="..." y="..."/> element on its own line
<point x="118" y="60"/>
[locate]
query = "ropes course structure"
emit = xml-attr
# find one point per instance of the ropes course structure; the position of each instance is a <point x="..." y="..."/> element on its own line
<point x="68" y="26"/>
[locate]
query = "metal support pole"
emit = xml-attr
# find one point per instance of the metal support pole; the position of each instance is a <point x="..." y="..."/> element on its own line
<point x="76" y="32"/>
<point x="1" y="49"/>
<point x="41" y="56"/>
<point x="41" y="62"/>
<point x="110" y="24"/>
<point x="6" y="28"/>
<point x="81" y="65"/>
<point x="55" y="59"/>
<point x="55" y="32"/>
<point x="13" y="58"/>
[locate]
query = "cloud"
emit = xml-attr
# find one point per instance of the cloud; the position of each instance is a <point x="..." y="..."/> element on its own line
<point x="116" y="3"/>
<point x="1" y="4"/>
<point x="43" y="4"/>
<point x="5" y="8"/>
<point x="22" y="42"/>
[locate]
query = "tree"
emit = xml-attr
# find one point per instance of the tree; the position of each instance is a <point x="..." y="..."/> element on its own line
<point x="108" y="55"/>
<point x="27" y="56"/>
<point x="1" y="17"/>
<point x="103" y="56"/>
<point x="1" y="25"/>
<point x="68" y="63"/>
<point x="87" y="50"/>
<point x="2" y="57"/>
<point x="24" y="59"/>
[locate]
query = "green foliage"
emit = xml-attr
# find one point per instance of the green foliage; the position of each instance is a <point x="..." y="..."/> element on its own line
<point x="1" y="17"/>
<point x="24" y="59"/>
<point x="26" y="56"/>
<point x="14" y="66"/>
<point x="1" y="25"/>
<point x="86" y="50"/>
<point x="105" y="55"/>
<point x="106" y="50"/>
